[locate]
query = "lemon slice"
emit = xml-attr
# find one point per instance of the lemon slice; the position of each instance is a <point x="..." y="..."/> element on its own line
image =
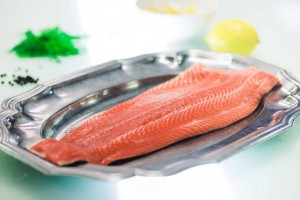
<point x="169" y="9"/>
<point x="190" y="10"/>
<point x="174" y="8"/>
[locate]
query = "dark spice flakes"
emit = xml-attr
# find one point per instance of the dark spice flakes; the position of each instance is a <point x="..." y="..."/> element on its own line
<point x="17" y="79"/>
<point x="23" y="80"/>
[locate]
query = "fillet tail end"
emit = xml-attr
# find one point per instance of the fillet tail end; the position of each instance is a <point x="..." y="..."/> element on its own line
<point x="59" y="152"/>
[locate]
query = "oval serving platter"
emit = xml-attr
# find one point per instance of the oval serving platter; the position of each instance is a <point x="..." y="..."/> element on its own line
<point x="54" y="108"/>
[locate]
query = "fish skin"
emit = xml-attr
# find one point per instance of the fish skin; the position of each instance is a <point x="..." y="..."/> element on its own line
<point x="197" y="101"/>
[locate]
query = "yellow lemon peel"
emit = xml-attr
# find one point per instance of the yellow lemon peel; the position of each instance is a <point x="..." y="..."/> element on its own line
<point x="234" y="36"/>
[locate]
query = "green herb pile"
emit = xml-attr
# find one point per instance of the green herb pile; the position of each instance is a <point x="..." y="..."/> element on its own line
<point x="51" y="43"/>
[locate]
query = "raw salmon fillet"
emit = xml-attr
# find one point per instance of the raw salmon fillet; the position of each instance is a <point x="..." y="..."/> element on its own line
<point x="196" y="102"/>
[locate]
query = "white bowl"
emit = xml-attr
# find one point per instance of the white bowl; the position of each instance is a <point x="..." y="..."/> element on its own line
<point x="175" y="27"/>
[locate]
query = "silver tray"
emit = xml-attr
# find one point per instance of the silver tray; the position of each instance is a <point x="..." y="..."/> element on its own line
<point x="53" y="108"/>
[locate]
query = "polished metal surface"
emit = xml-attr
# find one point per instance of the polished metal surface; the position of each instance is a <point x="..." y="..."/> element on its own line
<point x="53" y="108"/>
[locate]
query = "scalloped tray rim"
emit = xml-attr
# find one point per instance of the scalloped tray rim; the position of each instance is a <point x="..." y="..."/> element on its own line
<point x="8" y="107"/>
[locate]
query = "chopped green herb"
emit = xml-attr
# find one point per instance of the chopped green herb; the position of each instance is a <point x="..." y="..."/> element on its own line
<point x="51" y="43"/>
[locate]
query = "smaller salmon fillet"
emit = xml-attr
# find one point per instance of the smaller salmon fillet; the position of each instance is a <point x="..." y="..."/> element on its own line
<point x="196" y="102"/>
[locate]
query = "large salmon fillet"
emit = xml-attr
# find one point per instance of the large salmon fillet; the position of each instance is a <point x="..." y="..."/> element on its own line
<point x="196" y="102"/>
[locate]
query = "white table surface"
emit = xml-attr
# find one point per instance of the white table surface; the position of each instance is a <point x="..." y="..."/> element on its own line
<point x="113" y="29"/>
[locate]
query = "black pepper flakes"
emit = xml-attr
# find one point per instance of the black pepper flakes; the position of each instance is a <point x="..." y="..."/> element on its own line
<point x="23" y="80"/>
<point x="19" y="77"/>
<point x="10" y="83"/>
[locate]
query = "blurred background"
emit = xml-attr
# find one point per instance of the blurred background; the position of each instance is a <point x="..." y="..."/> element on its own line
<point x="117" y="29"/>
